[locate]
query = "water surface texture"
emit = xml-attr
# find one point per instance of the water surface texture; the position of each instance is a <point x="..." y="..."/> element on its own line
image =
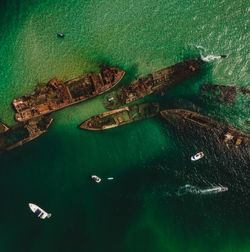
<point x="139" y="210"/>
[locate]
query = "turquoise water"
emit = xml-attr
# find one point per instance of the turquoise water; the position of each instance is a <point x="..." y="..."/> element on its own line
<point x="138" y="210"/>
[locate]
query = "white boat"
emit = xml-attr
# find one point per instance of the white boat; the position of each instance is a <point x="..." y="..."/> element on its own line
<point x="96" y="179"/>
<point x="215" y="189"/>
<point x="39" y="212"/>
<point x="197" y="156"/>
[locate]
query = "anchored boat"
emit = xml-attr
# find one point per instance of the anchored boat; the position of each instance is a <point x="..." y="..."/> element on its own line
<point x="57" y="94"/>
<point x="96" y="178"/>
<point x="60" y="35"/>
<point x="187" y="120"/>
<point x="39" y="212"/>
<point x="154" y="83"/>
<point x="197" y="156"/>
<point x="121" y="116"/>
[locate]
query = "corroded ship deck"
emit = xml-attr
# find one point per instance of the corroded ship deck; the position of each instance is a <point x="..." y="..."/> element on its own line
<point x="57" y="95"/>
<point x="23" y="133"/>
<point x="121" y="116"/>
<point x="189" y="119"/>
<point x="156" y="82"/>
<point x="222" y="93"/>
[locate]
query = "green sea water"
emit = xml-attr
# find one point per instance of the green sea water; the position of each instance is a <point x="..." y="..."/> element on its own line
<point x="139" y="210"/>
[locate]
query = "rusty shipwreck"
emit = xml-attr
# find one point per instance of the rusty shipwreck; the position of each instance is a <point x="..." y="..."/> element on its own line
<point x="121" y="116"/>
<point x="223" y="93"/>
<point x="57" y="94"/>
<point x="23" y="133"/>
<point x="191" y="121"/>
<point x="156" y="82"/>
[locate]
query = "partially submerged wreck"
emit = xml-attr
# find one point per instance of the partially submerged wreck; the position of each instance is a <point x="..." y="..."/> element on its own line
<point x="57" y="94"/>
<point x="3" y="127"/>
<point x="186" y="119"/>
<point x="121" y="116"/>
<point x="156" y="82"/>
<point x="23" y="133"/>
<point x="222" y="93"/>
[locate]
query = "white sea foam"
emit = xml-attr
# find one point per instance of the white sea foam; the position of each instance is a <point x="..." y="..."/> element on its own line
<point x="207" y="58"/>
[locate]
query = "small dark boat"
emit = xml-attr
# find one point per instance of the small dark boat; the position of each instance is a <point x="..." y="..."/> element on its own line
<point x="60" y="35"/>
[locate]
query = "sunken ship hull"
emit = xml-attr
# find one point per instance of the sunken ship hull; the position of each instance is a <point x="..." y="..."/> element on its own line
<point x="57" y="95"/>
<point x="23" y="133"/>
<point x="222" y="93"/>
<point x="190" y="121"/>
<point x="121" y="116"/>
<point x="154" y="83"/>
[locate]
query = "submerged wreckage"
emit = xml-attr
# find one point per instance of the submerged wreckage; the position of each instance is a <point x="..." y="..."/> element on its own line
<point x="23" y="133"/>
<point x="222" y="93"/>
<point x="121" y="116"/>
<point x="189" y="119"/>
<point x="57" y="94"/>
<point x="156" y="82"/>
<point x="3" y="127"/>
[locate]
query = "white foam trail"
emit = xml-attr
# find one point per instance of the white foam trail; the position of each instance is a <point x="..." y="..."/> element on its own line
<point x="210" y="58"/>
<point x="196" y="190"/>
<point x="200" y="47"/>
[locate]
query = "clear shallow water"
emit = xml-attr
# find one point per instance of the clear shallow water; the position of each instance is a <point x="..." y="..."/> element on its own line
<point x="147" y="159"/>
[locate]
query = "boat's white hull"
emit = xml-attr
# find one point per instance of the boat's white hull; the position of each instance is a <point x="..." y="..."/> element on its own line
<point x="96" y="179"/>
<point x="197" y="156"/>
<point x="39" y="212"/>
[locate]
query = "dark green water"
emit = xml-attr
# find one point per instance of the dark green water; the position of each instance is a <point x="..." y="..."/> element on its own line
<point x="138" y="210"/>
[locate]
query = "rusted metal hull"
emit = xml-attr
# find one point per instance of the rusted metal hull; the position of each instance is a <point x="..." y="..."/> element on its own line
<point x="23" y="133"/>
<point x="57" y="95"/>
<point x="189" y="120"/>
<point x="154" y="83"/>
<point x="121" y="116"/>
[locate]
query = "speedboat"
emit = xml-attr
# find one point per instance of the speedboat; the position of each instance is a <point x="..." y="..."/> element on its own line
<point x="39" y="212"/>
<point x="61" y="35"/>
<point x="197" y="156"/>
<point x="96" y="179"/>
<point x="215" y="189"/>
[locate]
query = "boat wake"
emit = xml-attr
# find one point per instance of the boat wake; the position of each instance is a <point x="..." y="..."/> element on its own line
<point x="168" y="192"/>
<point x="209" y="58"/>
<point x="189" y="189"/>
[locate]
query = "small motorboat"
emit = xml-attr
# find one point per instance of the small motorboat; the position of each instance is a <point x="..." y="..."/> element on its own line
<point x="60" y="35"/>
<point x="96" y="179"/>
<point x="110" y="178"/>
<point x="39" y="212"/>
<point x="197" y="156"/>
<point x="215" y="189"/>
